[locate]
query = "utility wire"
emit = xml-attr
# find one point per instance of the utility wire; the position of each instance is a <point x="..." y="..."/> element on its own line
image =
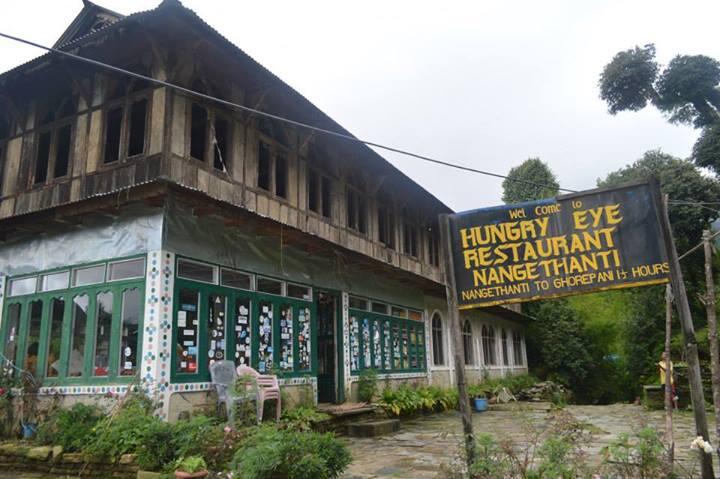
<point x="276" y="117"/>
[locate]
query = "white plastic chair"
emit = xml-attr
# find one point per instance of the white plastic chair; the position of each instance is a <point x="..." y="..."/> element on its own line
<point x="222" y="374"/>
<point x="267" y="389"/>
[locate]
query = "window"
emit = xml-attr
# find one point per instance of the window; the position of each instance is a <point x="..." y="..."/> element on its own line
<point x="22" y="286"/>
<point x="319" y="193"/>
<point x="134" y="268"/>
<point x="272" y="169"/>
<point x="89" y="275"/>
<point x="235" y="279"/>
<point x="410" y="236"/>
<point x="488" y="344"/>
<point x="54" y="281"/>
<point x="399" y="312"/>
<point x="467" y="342"/>
<point x="356" y="210"/>
<point x="188" y="332"/>
<point x="504" y="345"/>
<point x="358" y="303"/>
<point x="103" y="331"/>
<point x="381" y="308"/>
<point x="32" y="344"/>
<point x="297" y="291"/>
<point x="54" y="141"/>
<point x="437" y="340"/>
<point x="57" y="313"/>
<point x="517" y="349"/>
<point x="221" y="130"/>
<point x="78" y="327"/>
<point x="386" y="226"/>
<point x="129" y="331"/>
<point x="269" y="286"/>
<point x="126" y="119"/>
<point x="196" y="271"/>
<point x="12" y="329"/>
<point x="198" y="131"/>
<point x="433" y="246"/>
<point x="415" y="315"/>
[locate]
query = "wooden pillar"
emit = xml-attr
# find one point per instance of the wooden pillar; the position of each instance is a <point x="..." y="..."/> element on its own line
<point x="456" y="337"/>
<point x="688" y="330"/>
<point x="709" y="302"/>
<point x="669" y="439"/>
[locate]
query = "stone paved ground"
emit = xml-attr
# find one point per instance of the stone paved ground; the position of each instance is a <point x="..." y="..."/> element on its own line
<point x="422" y="445"/>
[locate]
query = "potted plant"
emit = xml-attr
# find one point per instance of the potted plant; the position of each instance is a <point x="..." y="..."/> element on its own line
<point x="190" y="467"/>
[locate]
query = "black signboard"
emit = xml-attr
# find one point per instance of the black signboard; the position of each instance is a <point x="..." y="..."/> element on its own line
<point x="579" y="243"/>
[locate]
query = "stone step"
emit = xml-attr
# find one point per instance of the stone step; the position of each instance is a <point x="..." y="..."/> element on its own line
<point x="373" y="428"/>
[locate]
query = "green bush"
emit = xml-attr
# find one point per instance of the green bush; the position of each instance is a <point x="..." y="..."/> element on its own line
<point x="367" y="385"/>
<point x="133" y="429"/>
<point x="407" y="400"/>
<point x="492" y="386"/>
<point x="271" y="452"/>
<point x="302" y="418"/>
<point x="190" y="464"/>
<point x="69" y="428"/>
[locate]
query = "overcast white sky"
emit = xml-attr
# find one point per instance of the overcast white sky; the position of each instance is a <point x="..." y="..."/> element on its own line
<point x="480" y="83"/>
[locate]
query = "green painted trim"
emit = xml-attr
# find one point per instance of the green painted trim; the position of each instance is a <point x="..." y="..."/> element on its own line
<point x="117" y="288"/>
<point x="404" y="325"/>
<point x="231" y="295"/>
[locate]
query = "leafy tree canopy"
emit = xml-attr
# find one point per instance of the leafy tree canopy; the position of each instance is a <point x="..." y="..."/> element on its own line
<point x="682" y="181"/>
<point x="686" y="91"/>
<point x="537" y="181"/>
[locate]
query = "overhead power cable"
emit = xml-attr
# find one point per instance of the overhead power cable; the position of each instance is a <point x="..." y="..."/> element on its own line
<point x="276" y="117"/>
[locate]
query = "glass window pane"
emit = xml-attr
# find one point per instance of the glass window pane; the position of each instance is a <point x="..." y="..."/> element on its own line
<point x="297" y="291"/>
<point x="33" y="338"/>
<point x="77" y="335"/>
<point x="265" y="331"/>
<point x="196" y="271"/>
<point x="134" y="268"/>
<point x="23" y="286"/>
<point x="415" y="315"/>
<point x="358" y="303"/>
<point x="216" y="328"/>
<point x="57" y="313"/>
<point x="387" y="362"/>
<point x="89" y="275"/>
<point x="187" y="331"/>
<point x="399" y="312"/>
<point x="129" y="327"/>
<point x="243" y="348"/>
<point x="11" y="332"/>
<point x="367" y="360"/>
<point x="381" y="308"/>
<point x="304" y="341"/>
<point x="270" y="286"/>
<point x="103" y="327"/>
<point x="377" y="345"/>
<point x="235" y="279"/>
<point x="54" y="281"/>
<point x="287" y="360"/>
<point x="354" y="344"/>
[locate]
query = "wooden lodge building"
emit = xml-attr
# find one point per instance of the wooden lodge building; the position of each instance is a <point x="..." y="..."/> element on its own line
<point x="145" y="233"/>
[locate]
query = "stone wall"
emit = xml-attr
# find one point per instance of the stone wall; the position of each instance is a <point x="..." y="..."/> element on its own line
<point x="16" y="457"/>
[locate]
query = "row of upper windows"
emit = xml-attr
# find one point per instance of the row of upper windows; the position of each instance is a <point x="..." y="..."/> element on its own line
<point x="125" y="136"/>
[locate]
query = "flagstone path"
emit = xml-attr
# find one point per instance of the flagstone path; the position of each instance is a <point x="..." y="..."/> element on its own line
<point x="423" y="445"/>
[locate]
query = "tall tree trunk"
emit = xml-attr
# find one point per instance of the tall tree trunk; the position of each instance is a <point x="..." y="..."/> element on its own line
<point x="712" y="333"/>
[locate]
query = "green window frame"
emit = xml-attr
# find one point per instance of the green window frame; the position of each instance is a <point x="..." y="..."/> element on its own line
<point x="302" y="323"/>
<point x="39" y="355"/>
<point x="386" y="344"/>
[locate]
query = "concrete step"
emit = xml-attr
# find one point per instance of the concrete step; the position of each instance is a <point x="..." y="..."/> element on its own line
<point x="373" y="428"/>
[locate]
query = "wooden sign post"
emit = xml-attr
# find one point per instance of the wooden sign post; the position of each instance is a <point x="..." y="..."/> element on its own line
<point x="688" y="330"/>
<point x="456" y="336"/>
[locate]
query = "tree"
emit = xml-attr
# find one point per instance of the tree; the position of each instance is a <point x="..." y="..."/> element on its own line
<point x="644" y="315"/>
<point x="686" y="91"/>
<point x="532" y="180"/>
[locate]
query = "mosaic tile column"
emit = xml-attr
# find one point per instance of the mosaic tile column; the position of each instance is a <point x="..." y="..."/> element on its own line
<point x="427" y="319"/>
<point x="3" y="281"/>
<point x="346" y="342"/>
<point x="157" y="332"/>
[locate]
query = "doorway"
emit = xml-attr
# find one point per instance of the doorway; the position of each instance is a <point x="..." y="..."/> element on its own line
<point x="326" y="305"/>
